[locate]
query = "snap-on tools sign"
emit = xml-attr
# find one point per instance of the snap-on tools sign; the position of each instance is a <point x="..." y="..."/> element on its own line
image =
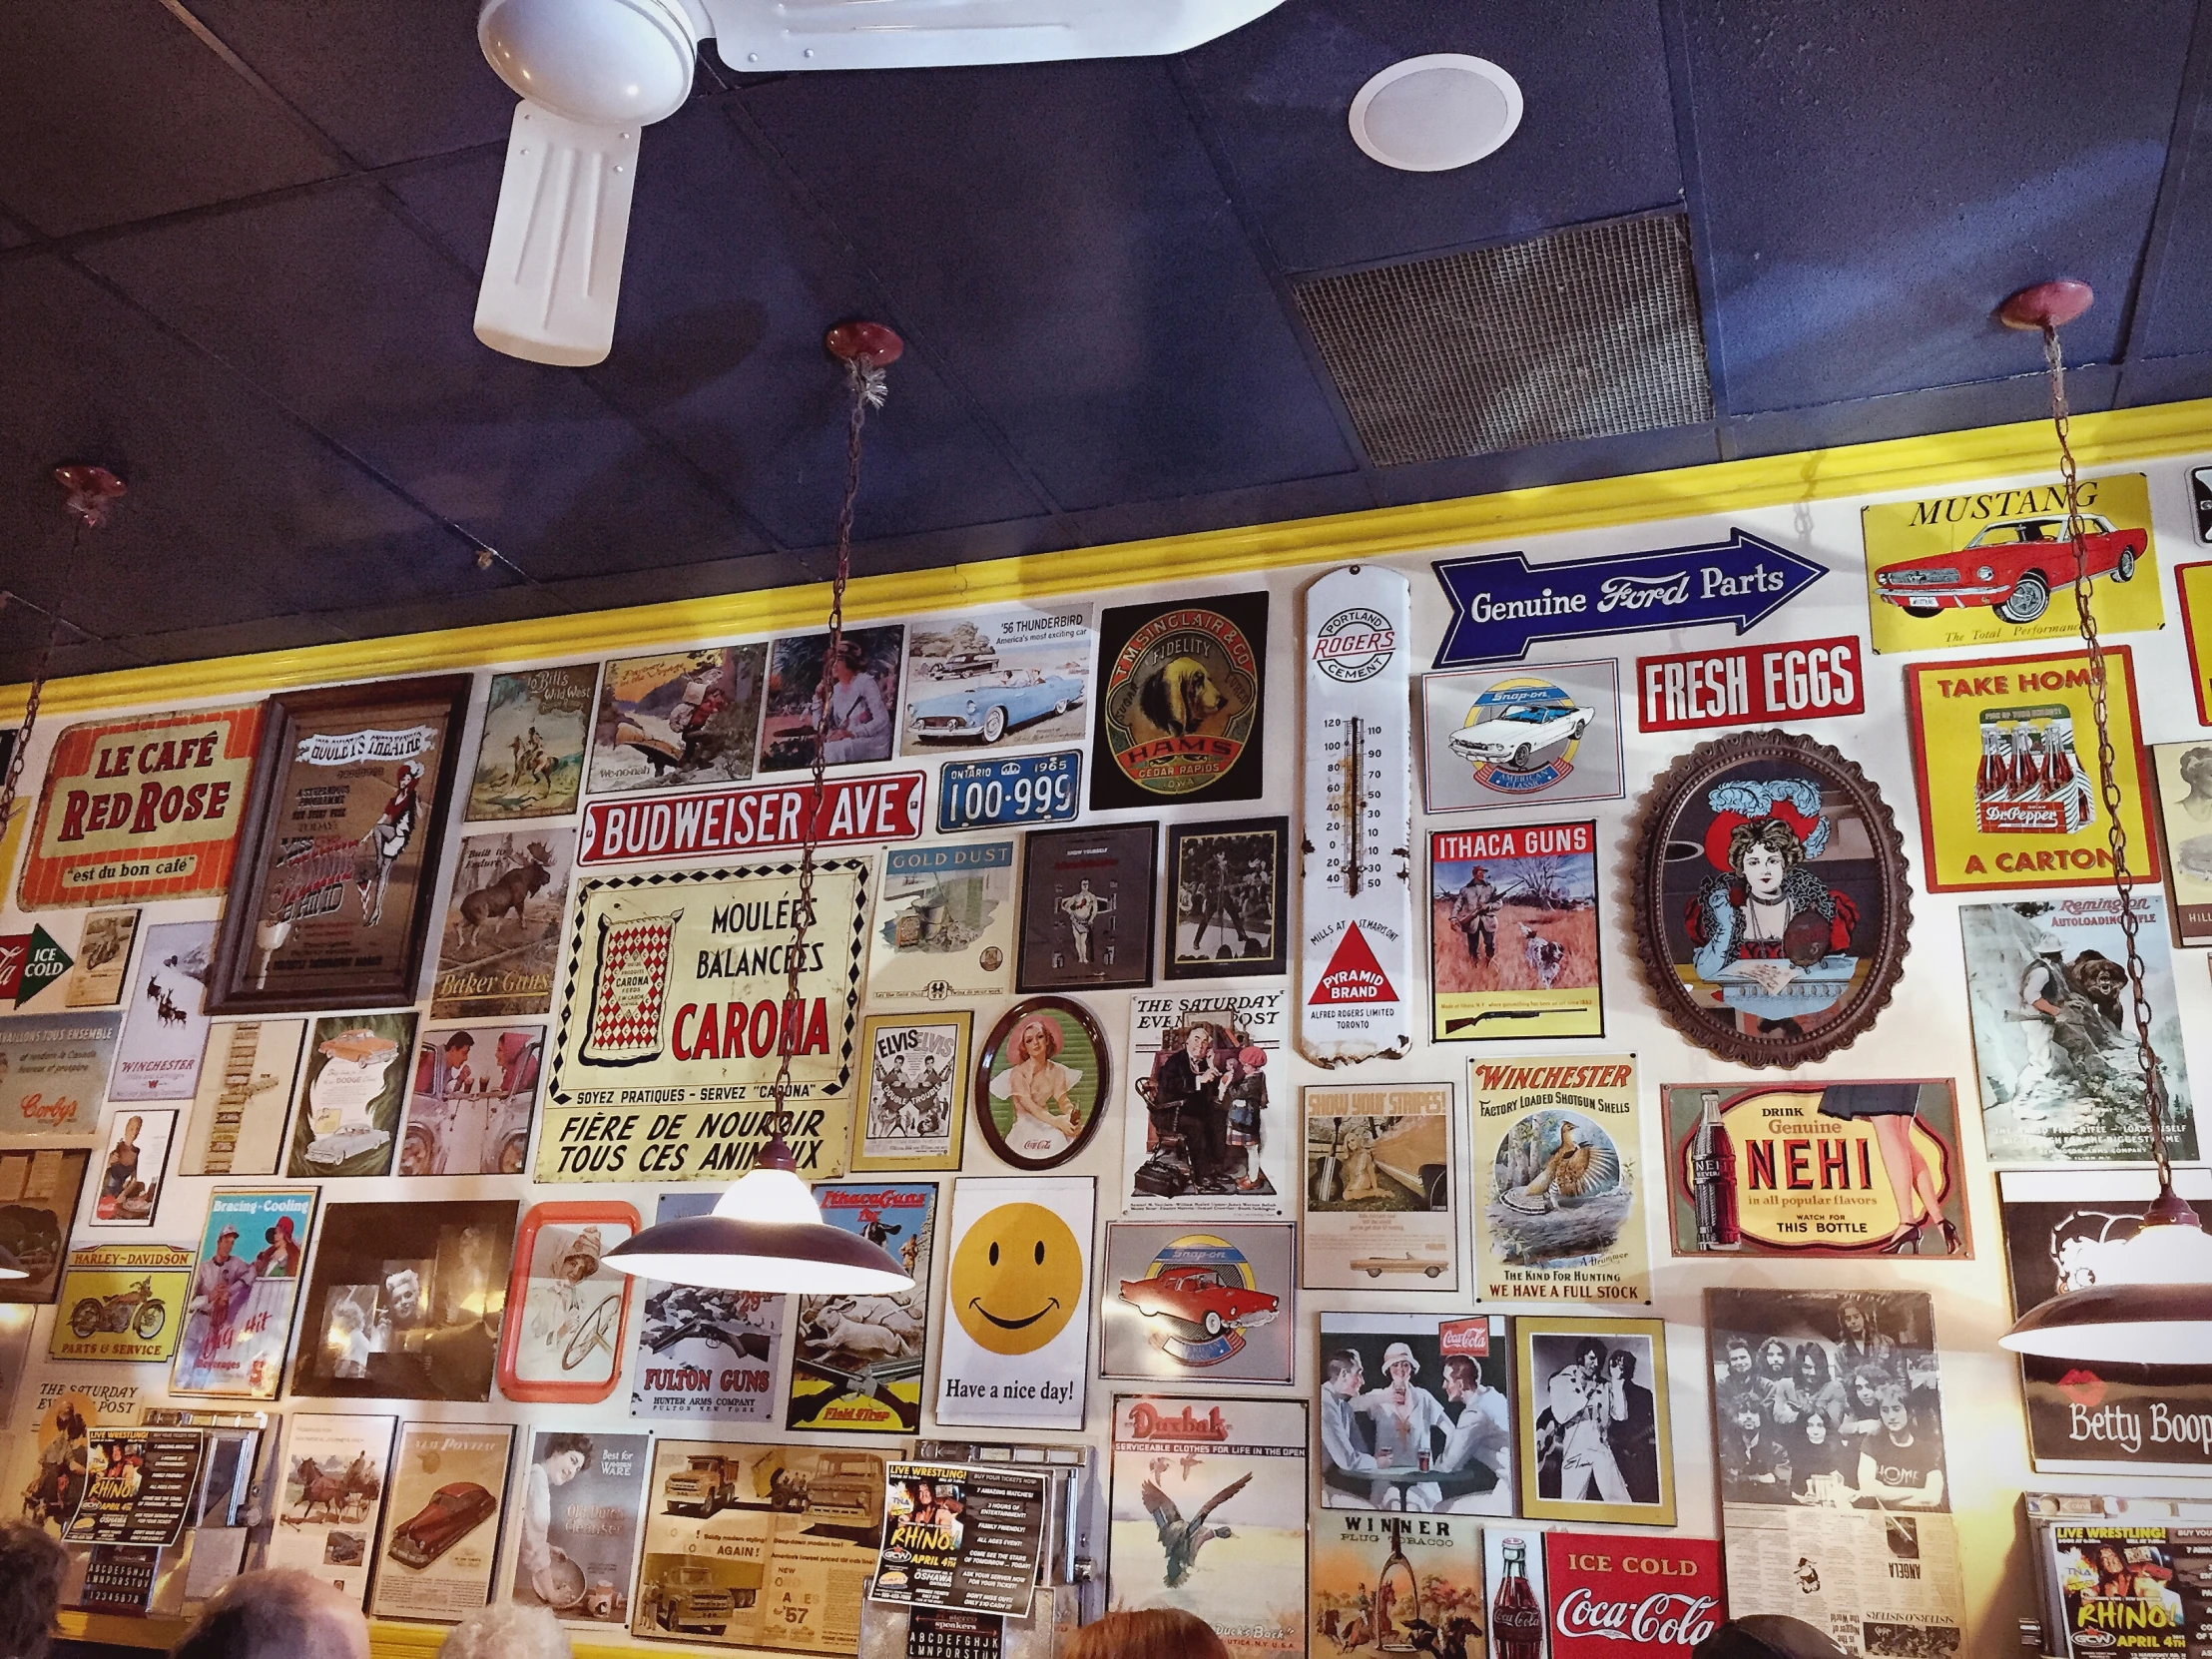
<point x="140" y="808"/>
<point x="854" y="812"/>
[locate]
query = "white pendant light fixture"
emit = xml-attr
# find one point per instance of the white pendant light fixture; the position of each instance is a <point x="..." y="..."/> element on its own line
<point x="2152" y="1302"/>
<point x="765" y="1233"/>
<point x="10" y="1267"/>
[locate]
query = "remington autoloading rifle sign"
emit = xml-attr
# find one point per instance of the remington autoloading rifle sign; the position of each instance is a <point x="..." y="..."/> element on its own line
<point x="678" y="1015"/>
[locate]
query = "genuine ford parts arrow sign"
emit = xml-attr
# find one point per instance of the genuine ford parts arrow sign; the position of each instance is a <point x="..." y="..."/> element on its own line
<point x="1501" y="604"/>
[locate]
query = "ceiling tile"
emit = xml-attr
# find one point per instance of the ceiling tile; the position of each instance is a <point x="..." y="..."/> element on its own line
<point x="1908" y="414"/>
<point x="1064" y="249"/>
<point x="1596" y="138"/>
<point x="111" y="111"/>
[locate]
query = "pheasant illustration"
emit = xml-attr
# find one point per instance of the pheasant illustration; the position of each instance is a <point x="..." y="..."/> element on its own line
<point x="1182" y="1540"/>
<point x="1571" y="1170"/>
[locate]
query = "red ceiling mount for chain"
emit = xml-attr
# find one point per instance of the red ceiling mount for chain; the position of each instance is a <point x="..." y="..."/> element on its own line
<point x="869" y="344"/>
<point x="2050" y="304"/>
<point x="92" y="494"/>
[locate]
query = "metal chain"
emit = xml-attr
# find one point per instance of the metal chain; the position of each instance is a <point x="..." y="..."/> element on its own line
<point x="869" y="390"/>
<point x="39" y="672"/>
<point x="2115" y="830"/>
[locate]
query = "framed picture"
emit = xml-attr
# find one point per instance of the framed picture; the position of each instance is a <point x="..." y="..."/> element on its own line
<point x="165" y="1019"/>
<point x="1211" y="1303"/>
<point x="1771" y="898"/>
<point x="244" y="1290"/>
<point x="578" y="1555"/>
<point x="1381" y="1185"/>
<point x="238" y="1117"/>
<point x="1512" y="933"/>
<point x="475" y="1089"/>
<point x="502" y="934"/>
<point x="863" y="697"/>
<point x="39" y="1188"/>
<point x="445" y="1509"/>
<point x="944" y="924"/>
<point x="913" y="1090"/>
<point x="335" y="1470"/>
<point x="1226" y="884"/>
<point x="355" y="1084"/>
<point x="1417" y="1413"/>
<point x="1018" y="677"/>
<point x="124" y="1302"/>
<point x="103" y="955"/>
<point x="1593" y="1439"/>
<point x="705" y="1353"/>
<point x="133" y="1167"/>
<point x="1511" y="737"/>
<point x="530" y="754"/>
<point x="1180" y="718"/>
<point x="1041" y="1082"/>
<point x="2184" y="771"/>
<point x="1556" y="1166"/>
<point x="565" y="1341"/>
<point x="678" y="718"/>
<point x="1206" y="1135"/>
<point x="861" y="1366"/>
<point x="1086" y="908"/>
<point x="1016" y="1346"/>
<point x="332" y="900"/>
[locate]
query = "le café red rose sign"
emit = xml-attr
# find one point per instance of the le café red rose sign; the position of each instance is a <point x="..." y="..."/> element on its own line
<point x="1614" y="1593"/>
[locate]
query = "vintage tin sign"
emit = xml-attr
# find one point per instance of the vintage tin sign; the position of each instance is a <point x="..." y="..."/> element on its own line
<point x="855" y="811"/>
<point x="1751" y="685"/>
<point x="1030" y="788"/>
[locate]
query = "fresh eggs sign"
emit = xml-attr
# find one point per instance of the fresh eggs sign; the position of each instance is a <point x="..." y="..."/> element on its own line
<point x="140" y="808"/>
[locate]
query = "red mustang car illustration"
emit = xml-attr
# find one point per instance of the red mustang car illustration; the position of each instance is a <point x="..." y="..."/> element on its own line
<point x="2011" y="566"/>
<point x="1198" y="1296"/>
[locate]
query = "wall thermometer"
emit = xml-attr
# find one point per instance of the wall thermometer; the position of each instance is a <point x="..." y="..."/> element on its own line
<point x="1356" y="930"/>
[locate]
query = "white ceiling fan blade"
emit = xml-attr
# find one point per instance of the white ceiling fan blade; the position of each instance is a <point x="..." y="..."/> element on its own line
<point x="760" y="35"/>
<point x="555" y="267"/>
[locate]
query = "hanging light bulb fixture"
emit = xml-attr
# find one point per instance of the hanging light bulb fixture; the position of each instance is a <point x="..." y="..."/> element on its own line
<point x="2153" y="1304"/>
<point x="765" y="1233"/>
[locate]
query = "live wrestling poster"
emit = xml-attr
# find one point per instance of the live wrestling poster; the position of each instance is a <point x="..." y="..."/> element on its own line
<point x="1557" y="1181"/>
<point x="674" y="1023"/>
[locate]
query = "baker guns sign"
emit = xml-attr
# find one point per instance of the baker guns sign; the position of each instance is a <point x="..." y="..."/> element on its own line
<point x="1649" y="1592"/>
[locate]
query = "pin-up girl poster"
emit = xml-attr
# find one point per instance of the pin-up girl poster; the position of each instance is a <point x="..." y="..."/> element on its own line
<point x="1773" y="907"/>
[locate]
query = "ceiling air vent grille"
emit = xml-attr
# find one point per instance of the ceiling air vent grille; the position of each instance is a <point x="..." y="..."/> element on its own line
<point x="1579" y="334"/>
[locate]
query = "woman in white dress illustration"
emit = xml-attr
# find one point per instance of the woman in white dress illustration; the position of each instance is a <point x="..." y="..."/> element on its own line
<point x="1046" y="1120"/>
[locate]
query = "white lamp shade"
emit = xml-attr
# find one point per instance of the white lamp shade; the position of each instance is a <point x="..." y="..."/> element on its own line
<point x="765" y="1234"/>
<point x="2150" y="1306"/>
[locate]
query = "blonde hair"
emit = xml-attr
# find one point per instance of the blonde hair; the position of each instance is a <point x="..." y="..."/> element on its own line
<point x="1153" y="1633"/>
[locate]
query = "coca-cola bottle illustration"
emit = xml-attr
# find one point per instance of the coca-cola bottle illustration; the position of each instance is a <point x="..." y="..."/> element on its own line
<point x="1516" y="1621"/>
<point x="1994" y="779"/>
<point x="1713" y="1179"/>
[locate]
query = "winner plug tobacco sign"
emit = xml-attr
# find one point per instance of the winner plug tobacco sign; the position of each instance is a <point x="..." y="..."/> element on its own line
<point x="676" y="1018"/>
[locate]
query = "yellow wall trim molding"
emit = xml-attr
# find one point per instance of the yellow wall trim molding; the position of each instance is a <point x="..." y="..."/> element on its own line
<point x="2099" y="440"/>
<point x="387" y="1639"/>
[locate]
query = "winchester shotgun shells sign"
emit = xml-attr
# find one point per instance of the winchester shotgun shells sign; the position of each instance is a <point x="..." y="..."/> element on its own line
<point x="676" y="1018"/>
<point x="140" y="808"/>
<point x="1179" y="718"/>
<point x="1555" y="1172"/>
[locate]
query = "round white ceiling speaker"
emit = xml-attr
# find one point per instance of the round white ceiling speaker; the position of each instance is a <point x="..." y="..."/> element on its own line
<point x="600" y="62"/>
<point x="1436" y="113"/>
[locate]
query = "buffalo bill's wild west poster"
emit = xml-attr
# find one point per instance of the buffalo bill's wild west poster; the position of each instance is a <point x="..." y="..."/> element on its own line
<point x="334" y="1473"/>
<point x="2063" y="1231"/>
<point x="39" y="1190"/>
<point x="859" y="1362"/>
<point x="1999" y="567"/>
<point x="1555" y="1175"/>
<point x="443" y="1515"/>
<point x="237" y="1318"/>
<point x="705" y="1353"/>
<point x="2054" y="1031"/>
<point x="677" y="718"/>
<point x="140" y="808"/>
<point x="674" y="1021"/>
<point x="1816" y="1169"/>
<point x="1513" y="932"/>
<point x="122" y="1303"/>
<point x="503" y="925"/>
<point x="1013" y="678"/>
<point x="582" y="1498"/>
<point x="237" y="1126"/>
<point x="759" y="1545"/>
<point x="530" y="755"/>
<point x="944" y="924"/>
<point x="337" y="868"/>
<point x="165" y="1021"/>
<point x="2004" y="755"/>
<point x="1208" y="1516"/>
<point x="1180" y="716"/>
<point x="103" y="956"/>
<point x="2184" y="772"/>
<point x="1417" y="1413"/>
<point x="54" y="1071"/>
<point x="1393" y="1584"/>
<point x="1017" y="1328"/>
<point x="1210" y="1132"/>
<point x="1381" y="1188"/>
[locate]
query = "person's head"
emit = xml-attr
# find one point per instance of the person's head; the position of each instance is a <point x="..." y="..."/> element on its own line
<point x="282" y="1613"/>
<point x="565" y="1457"/>
<point x="2195" y="768"/>
<point x="2110" y="1561"/>
<point x="1198" y="1041"/>
<point x="1812" y="1365"/>
<point x="1621" y="1363"/>
<point x="1867" y="1382"/>
<point x="506" y="1630"/>
<point x="1347" y="1372"/>
<point x="1039" y="1039"/>
<point x="131" y="1128"/>
<point x="1896" y="1417"/>
<point x="1773" y="1358"/>
<point x="1855" y="1324"/>
<point x="1747" y="1416"/>
<point x="345" y="1319"/>
<point x="1816" y="1429"/>
<point x="1763" y="850"/>
<point x="223" y="1241"/>
<point x="845" y="662"/>
<point x="1480" y="873"/>
<point x="30" y="1563"/>
<point x="1589" y="1353"/>
<point x="1462" y="1375"/>
<point x="1739" y="1357"/>
<point x="457" y="1046"/>
<point x="1153" y="1633"/>
<point x="1398" y="1365"/>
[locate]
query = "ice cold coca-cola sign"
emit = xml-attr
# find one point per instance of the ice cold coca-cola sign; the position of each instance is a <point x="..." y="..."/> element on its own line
<point x="1611" y="1588"/>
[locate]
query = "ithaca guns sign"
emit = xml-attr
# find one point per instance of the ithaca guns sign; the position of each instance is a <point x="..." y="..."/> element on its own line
<point x="676" y="1017"/>
<point x="140" y="808"/>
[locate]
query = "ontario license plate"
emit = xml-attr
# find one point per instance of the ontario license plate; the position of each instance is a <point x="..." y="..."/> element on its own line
<point x="1033" y="789"/>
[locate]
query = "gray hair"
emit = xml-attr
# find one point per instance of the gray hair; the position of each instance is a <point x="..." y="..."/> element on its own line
<point x="506" y="1630"/>
<point x="279" y="1613"/>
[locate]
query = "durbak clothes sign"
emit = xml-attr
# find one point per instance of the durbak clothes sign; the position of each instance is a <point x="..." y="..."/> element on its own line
<point x="140" y="808"/>
<point x="1751" y="685"/>
<point x="1501" y="604"/>
<point x="855" y="811"/>
<point x="675" y="1019"/>
<point x="1178" y="716"/>
<point x="1659" y="1595"/>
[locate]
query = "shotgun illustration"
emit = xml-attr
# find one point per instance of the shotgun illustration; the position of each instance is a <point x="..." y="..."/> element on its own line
<point x="1451" y="1025"/>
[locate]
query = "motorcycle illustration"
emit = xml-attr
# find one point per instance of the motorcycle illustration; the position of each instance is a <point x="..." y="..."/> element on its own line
<point x="138" y="1311"/>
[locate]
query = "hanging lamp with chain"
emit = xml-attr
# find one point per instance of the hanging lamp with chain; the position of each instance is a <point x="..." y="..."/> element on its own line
<point x="765" y="1233"/>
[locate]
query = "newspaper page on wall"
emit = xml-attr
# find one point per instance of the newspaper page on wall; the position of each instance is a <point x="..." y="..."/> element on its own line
<point x="1835" y="1496"/>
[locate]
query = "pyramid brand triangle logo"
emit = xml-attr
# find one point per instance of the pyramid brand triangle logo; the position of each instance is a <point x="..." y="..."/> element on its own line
<point x="1353" y="974"/>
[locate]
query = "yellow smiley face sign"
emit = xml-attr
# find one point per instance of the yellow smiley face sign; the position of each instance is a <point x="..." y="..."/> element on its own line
<point x="1017" y="1278"/>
